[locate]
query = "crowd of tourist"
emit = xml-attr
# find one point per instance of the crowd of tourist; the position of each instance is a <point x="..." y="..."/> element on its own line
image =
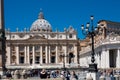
<point x="109" y="74"/>
<point x="58" y="74"/>
<point x="64" y="74"/>
<point x="44" y="74"/>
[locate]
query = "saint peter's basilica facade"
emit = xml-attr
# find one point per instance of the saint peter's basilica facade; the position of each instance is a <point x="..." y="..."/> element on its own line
<point x="39" y="47"/>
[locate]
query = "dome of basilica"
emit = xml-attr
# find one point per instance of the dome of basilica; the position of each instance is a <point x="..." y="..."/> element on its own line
<point x="41" y="24"/>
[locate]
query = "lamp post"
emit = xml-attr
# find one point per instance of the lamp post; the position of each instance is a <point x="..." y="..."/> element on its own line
<point x="91" y="32"/>
<point x="63" y="58"/>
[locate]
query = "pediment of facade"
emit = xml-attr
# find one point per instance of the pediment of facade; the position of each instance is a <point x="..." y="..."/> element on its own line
<point x="35" y="38"/>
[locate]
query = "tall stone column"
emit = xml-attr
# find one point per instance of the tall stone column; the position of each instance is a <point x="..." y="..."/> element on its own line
<point x="103" y="59"/>
<point x="2" y="39"/>
<point x="25" y="54"/>
<point x="33" y="54"/>
<point x="41" y="57"/>
<point x="65" y="54"/>
<point x="75" y="53"/>
<point x="98" y="59"/>
<point x="17" y="54"/>
<point x="107" y="59"/>
<point x="118" y="59"/>
<point x="9" y="56"/>
<point x="46" y="53"/>
<point x="56" y="54"/>
<point x="49" y="54"/>
<point x="28" y="55"/>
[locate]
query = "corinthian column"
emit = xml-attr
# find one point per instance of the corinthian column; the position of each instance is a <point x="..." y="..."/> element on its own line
<point x="33" y="54"/>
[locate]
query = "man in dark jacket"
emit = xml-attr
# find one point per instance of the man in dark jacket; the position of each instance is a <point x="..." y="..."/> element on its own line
<point x="43" y="74"/>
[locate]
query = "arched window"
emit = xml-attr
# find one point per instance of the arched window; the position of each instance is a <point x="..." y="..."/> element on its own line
<point x="71" y="56"/>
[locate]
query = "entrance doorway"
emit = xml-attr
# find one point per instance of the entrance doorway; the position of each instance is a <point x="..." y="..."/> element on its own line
<point x="21" y="59"/>
<point x="52" y="59"/>
<point x="31" y="60"/>
<point x="71" y="56"/>
<point x="37" y="59"/>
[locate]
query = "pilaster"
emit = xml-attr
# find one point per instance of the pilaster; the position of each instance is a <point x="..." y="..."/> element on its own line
<point x="46" y="53"/>
<point x="25" y="50"/>
<point x="107" y="58"/>
<point x="118" y="59"/>
<point x="49" y="54"/>
<point x="41" y="56"/>
<point x="28" y="55"/>
<point x="75" y="53"/>
<point x="17" y="54"/>
<point x="56" y="54"/>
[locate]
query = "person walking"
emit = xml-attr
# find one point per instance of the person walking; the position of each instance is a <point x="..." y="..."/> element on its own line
<point x="73" y="76"/>
<point x="43" y="74"/>
<point x="67" y="75"/>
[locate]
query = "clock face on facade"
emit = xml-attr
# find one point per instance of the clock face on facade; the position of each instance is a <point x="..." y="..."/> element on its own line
<point x="21" y="35"/>
<point x="52" y="35"/>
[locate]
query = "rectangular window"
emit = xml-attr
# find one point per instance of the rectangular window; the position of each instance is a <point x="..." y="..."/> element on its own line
<point x="70" y="36"/>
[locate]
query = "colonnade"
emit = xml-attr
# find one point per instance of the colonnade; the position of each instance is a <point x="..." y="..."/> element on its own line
<point x="44" y="53"/>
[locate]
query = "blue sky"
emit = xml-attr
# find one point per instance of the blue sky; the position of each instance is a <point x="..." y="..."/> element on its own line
<point x="60" y="13"/>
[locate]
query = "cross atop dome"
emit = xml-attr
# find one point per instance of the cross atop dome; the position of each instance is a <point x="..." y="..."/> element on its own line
<point x="41" y="16"/>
